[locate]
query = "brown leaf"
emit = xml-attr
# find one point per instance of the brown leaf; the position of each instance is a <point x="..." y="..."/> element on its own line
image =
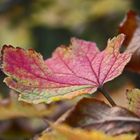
<point x="93" y="114"/>
<point x="131" y="28"/>
<point x="128" y="26"/>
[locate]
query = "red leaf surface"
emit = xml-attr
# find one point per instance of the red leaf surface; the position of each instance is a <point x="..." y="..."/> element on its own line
<point x="129" y="25"/>
<point x="131" y="28"/>
<point x="78" y="69"/>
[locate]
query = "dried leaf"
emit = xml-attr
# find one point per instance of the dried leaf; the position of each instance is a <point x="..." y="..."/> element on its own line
<point x="72" y="71"/>
<point x="133" y="97"/>
<point x="131" y="28"/>
<point x="92" y="114"/>
<point x="63" y="132"/>
<point x="11" y="108"/>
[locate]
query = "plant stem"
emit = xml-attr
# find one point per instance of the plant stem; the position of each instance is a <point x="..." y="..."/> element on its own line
<point x="107" y="96"/>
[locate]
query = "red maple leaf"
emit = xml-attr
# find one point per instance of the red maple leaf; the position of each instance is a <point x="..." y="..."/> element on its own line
<point x="71" y="71"/>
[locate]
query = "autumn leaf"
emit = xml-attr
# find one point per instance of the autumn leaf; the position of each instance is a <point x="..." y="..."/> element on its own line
<point x="92" y="114"/>
<point x="63" y="132"/>
<point x="128" y="26"/>
<point x="133" y="97"/>
<point x="71" y="71"/>
<point x="11" y="108"/>
<point x="131" y="28"/>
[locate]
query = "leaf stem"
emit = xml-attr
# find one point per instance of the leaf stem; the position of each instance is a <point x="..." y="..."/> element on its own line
<point x="107" y="96"/>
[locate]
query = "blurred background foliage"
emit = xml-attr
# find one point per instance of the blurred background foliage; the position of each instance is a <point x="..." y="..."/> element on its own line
<point x="46" y="24"/>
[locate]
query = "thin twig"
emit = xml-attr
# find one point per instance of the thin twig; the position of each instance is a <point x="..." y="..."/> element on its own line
<point x="107" y="96"/>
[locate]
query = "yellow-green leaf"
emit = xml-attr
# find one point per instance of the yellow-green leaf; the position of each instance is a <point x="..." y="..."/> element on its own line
<point x="11" y="108"/>
<point x="133" y="97"/>
<point x="63" y="132"/>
